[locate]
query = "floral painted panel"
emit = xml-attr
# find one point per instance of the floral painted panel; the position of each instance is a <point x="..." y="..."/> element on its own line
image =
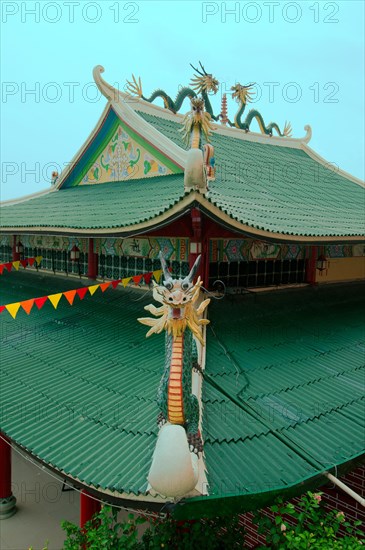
<point x="123" y="159"/>
<point x="245" y="250"/>
<point x="174" y="249"/>
<point x="54" y="242"/>
<point x="340" y="250"/>
<point x="264" y="251"/>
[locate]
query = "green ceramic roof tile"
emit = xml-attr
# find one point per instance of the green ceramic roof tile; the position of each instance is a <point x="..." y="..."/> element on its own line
<point x="77" y="390"/>
<point x="281" y="390"/>
<point x="108" y="205"/>
<point x="278" y="189"/>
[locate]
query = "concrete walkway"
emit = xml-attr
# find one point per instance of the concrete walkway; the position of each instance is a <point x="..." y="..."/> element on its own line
<point x="41" y="506"/>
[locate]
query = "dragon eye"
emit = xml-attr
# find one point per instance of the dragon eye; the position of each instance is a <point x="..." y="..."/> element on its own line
<point x="169" y="285"/>
<point x="185" y="285"/>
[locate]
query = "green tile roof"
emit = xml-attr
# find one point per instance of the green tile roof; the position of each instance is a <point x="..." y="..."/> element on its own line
<point x="113" y="205"/>
<point x="266" y="187"/>
<point x="76" y="389"/>
<point x="278" y="189"/>
<point x="283" y="391"/>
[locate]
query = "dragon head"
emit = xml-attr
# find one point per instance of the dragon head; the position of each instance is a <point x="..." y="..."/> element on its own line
<point x="242" y="93"/>
<point x="197" y="116"/>
<point x="204" y="81"/>
<point x="197" y="109"/>
<point x="177" y="297"/>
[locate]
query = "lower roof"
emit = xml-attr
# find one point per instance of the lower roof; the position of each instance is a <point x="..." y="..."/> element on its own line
<point x="283" y="390"/>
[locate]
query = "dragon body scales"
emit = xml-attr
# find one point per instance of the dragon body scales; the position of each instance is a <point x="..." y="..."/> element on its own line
<point x="242" y="94"/>
<point x="180" y="318"/>
<point x="203" y="83"/>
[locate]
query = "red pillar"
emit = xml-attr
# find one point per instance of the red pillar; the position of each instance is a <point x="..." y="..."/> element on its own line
<point x="92" y="264"/>
<point x="205" y="262"/>
<point x="16" y="255"/>
<point x="311" y="265"/>
<point x="88" y="507"/>
<point x="7" y="499"/>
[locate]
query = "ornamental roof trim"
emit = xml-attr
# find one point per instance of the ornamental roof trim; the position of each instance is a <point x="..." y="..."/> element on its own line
<point x="117" y="98"/>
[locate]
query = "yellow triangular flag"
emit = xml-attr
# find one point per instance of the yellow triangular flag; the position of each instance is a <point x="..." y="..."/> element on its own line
<point x="16" y="265"/>
<point x="54" y="299"/>
<point x="38" y="259"/>
<point x="126" y="281"/>
<point x="93" y="288"/>
<point x="157" y="275"/>
<point x="13" y="309"/>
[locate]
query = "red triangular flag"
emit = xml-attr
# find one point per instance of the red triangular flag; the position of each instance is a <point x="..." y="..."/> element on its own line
<point x="104" y="286"/>
<point x="81" y="292"/>
<point x="70" y="296"/>
<point x="2" y="308"/>
<point x="8" y="266"/>
<point x="2" y="268"/>
<point x="147" y="278"/>
<point x="39" y="302"/>
<point x="31" y="261"/>
<point x="115" y="283"/>
<point x="24" y="263"/>
<point x="137" y="279"/>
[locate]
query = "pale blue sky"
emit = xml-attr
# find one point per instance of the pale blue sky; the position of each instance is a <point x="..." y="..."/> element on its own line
<point x="319" y="46"/>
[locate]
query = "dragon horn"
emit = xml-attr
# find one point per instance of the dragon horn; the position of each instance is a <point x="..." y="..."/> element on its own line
<point x="194" y="269"/>
<point x="197" y="70"/>
<point x="204" y="71"/>
<point x="166" y="272"/>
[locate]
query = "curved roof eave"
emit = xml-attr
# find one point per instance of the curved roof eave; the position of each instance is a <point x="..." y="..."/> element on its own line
<point x="176" y="211"/>
<point x="25" y="198"/>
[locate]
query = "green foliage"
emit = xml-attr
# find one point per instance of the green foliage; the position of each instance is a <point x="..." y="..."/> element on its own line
<point x="213" y="534"/>
<point x="308" y="525"/>
<point x="104" y="532"/>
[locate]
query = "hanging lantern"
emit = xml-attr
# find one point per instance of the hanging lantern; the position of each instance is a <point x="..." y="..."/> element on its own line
<point x="19" y="248"/>
<point x="74" y="254"/>
<point x="322" y="263"/>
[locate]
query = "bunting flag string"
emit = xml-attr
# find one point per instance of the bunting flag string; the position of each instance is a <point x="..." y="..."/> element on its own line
<point x="70" y="295"/>
<point x="16" y="264"/>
